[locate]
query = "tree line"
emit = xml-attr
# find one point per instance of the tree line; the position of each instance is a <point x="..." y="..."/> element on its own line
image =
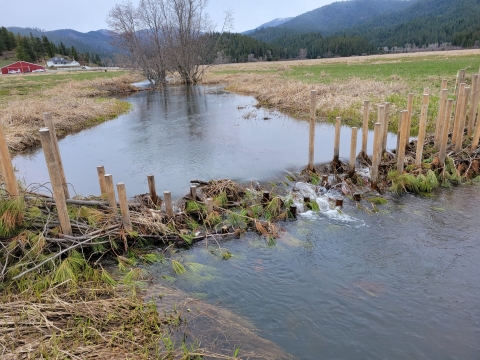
<point x="33" y="48"/>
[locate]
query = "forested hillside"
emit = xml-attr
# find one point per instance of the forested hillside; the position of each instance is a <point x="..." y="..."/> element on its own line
<point x="426" y="22"/>
<point x="34" y="48"/>
<point x="344" y="15"/>
<point x="93" y="42"/>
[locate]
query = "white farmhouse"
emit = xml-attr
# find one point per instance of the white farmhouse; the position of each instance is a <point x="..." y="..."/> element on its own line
<point x="61" y="62"/>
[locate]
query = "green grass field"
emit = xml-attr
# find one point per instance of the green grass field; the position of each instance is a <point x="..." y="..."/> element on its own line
<point x="417" y="72"/>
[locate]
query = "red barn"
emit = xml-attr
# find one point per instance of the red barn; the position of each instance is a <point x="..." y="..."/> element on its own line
<point x="21" y="67"/>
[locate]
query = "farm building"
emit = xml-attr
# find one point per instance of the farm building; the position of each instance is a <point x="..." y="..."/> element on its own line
<point x="21" y="67"/>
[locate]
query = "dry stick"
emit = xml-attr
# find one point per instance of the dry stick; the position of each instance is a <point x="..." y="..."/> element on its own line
<point x="336" y="146"/>
<point x="446" y="130"/>
<point x="55" y="179"/>
<point x="152" y="189"/>
<point x="411" y="97"/>
<point x="122" y="197"/>
<point x="381" y="120"/>
<point x="112" y="201"/>
<point x="8" y="173"/>
<point x="403" y="135"/>
<point x="473" y="105"/>
<point x="441" y="115"/>
<point x="167" y="197"/>
<point x="101" y="179"/>
<point x="47" y="117"/>
<point x="366" y="109"/>
<point x="463" y="115"/>
<point x="421" y="131"/>
<point x="458" y="113"/>
<point x="376" y="153"/>
<point x="386" y="121"/>
<point x="311" y="147"/>
<point x="353" y="151"/>
<point x="209" y="203"/>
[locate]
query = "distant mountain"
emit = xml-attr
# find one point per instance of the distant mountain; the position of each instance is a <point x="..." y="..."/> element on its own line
<point x="426" y="22"/>
<point x="385" y="23"/>
<point x="273" y="23"/>
<point x="97" y="42"/>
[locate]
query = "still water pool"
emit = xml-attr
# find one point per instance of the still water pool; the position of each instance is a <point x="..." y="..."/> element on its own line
<point x="182" y="134"/>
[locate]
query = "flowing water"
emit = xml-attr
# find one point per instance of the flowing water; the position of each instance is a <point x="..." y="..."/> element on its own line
<point x="401" y="283"/>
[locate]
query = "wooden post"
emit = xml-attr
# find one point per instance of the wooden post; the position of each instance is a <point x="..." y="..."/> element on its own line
<point x="122" y="197"/>
<point x="441" y="115"/>
<point x="353" y="151"/>
<point x="336" y="146"/>
<point x="6" y="166"/>
<point x="101" y="179"/>
<point x="458" y="112"/>
<point x="476" y="135"/>
<point x="293" y="210"/>
<point x="473" y="105"/>
<point x="446" y="130"/>
<point x="366" y="110"/>
<point x="112" y="201"/>
<point x="381" y="120"/>
<point x="167" y="197"/>
<point x="152" y="189"/>
<point x="193" y="192"/>
<point x="460" y="79"/>
<point x="426" y="91"/>
<point x="209" y="203"/>
<point x="421" y="133"/>
<point x="311" y="147"/>
<point x="266" y="197"/>
<point x="376" y="154"/>
<point x="399" y="128"/>
<point x="56" y="180"/>
<point x="403" y="135"/>
<point x="461" y="124"/>
<point x="411" y="97"/>
<point x="385" y="127"/>
<point x="444" y="84"/>
<point x="47" y="117"/>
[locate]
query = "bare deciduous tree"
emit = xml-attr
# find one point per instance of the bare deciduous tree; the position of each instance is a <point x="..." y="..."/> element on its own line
<point x="166" y="35"/>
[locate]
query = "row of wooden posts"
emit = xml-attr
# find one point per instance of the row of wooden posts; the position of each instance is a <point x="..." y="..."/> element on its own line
<point x="444" y="125"/>
<point x="59" y="182"/>
<point x="446" y="122"/>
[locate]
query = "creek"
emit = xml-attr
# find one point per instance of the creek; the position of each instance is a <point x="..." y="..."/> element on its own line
<point x="400" y="283"/>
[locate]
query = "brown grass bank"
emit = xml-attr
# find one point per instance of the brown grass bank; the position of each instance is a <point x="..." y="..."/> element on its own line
<point x="75" y="104"/>
<point x="293" y="97"/>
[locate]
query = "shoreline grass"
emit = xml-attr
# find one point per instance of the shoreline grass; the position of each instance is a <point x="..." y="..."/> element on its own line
<point x="343" y="84"/>
<point x="76" y="101"/>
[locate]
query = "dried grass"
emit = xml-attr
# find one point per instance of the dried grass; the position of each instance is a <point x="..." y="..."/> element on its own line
<point x="74" y="107"/>
<point x="294" y="96"/>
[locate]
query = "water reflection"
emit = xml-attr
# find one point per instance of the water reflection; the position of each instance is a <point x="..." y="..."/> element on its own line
<point x="184" y="133"/>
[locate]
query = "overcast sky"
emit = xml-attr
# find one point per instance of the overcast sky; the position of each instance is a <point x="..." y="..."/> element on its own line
<point x="88" y="15"/>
